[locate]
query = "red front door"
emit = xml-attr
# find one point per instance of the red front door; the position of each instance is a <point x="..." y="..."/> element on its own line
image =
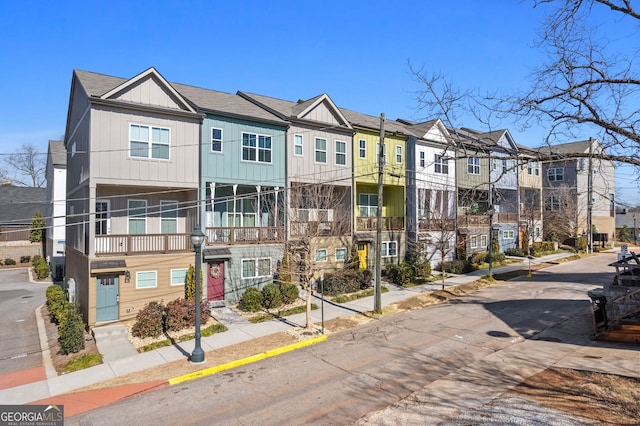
<point x="215" y="281"/>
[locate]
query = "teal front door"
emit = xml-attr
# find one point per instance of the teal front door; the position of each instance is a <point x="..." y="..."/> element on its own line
<point x="107" y="298"/>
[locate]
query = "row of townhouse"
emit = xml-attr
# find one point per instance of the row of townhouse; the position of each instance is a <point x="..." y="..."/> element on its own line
<point x="148" y="161"/>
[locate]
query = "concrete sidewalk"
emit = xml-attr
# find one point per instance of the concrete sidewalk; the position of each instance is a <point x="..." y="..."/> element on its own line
<point x="239" y="330"/>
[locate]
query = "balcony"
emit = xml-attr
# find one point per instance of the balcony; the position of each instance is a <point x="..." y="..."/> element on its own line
<point x="330" y="229"/>
<point x="245" y="235"/>
<point x="364" y="223"/>
<point x="499" y="218"/>
<point x="127" y="245"/>
<point x="436" y="224"/>
<point x="473" y="220"/>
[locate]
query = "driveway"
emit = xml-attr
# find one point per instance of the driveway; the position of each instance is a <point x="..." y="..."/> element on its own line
<point x="19" y="339"/>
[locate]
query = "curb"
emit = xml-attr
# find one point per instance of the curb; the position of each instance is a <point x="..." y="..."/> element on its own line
<point x="244" y="361"/>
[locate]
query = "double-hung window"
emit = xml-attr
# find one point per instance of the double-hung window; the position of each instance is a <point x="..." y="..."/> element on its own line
<point x="555" y="174"/>
<point x="137" y="212"/>
<point x="389" y="249"/>
<point x="321" y="150"/>
<point x="368" y="205"/>
<point x="398" y="154"/>
<point x="441" y="165"/>
<point x="216" y="140"/>
<point x="179" y="276"/>
<point x="147" y="279"/>
<point x="149" y="142"/>
<point x="362" y="148"/>
<point x="169" y="217"/>
<point x="256" y="268"/>
<point x="341" y="153"/>
<point x="552" y="203"/>
<point x="508" y="234"/>
<point x="473" y="165"/>
<point x="341" y="254"/>
<point x="483" y="241"/>
<point x="256" y="148"/>
<point x="321" y="255"/>
<point x="422" y="159"/>
<point x="384" y="153"/>
<point x="473" y="243"/>
<point x="297" y="145"/>
<point x="530" y="167"/>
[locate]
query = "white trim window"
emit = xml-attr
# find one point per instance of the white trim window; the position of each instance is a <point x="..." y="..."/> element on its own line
<point x="341" y="254"/>
<point x="179" y="276"/>
<point x="297" y="145"/>
<point x="216" y="139"/>
<point x="137" y="213"/>
<point x="530" y="167"/>
<point x="168" y="217"/>
<point x="362" y="148"/>
<point x="505" y="167"/>
<point x="147" y="279"/>
<point x="368" y="204"/>
<point x="256" y="268"/>
<point x="473" y="165"/>
<point x="256" y="148"/>
<point x="398" y="154"/>
<point x="555" y="174"/>
<point x="103" y="217"/>
<point x="441" y="165"/>
<point x="341" y="153"/>
<point x="508" y="234"/>
<point x="537" y="168"/>
<point x="473" y="241"/>
<point x="483" y="241"/>
<point x="149" y="141"/>
<point x="384" y="153"/>
<point x="552" y="203"/>
<point x="423" y="161"/>
<point x="321" y="255"/>
<point x="320" y="150"/>
<point x="389" y="249"/>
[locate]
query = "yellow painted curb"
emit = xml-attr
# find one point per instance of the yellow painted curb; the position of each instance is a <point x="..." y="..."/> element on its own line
<point x="244" y="361"/>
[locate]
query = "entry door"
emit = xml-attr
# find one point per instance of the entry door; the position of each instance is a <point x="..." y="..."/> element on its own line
<point x="362" y="255"/>
<point x="107" y="298"/>
<point x="215" y="281"/>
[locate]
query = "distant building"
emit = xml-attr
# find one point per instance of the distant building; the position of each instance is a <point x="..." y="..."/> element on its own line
<point x="18" y="205"/>
<point x="56" y="177"/>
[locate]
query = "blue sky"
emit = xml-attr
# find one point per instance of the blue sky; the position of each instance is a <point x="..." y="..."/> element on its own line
<point x="355" y="51"/>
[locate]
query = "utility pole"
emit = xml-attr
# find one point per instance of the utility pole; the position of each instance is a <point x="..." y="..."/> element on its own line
<point x="590" y="199"/>
<point x="377" y="306"/>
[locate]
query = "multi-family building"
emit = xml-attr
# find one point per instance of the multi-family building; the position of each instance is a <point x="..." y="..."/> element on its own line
<point x="530" y="193"/>
<point x="431" y="191"/>
<point x="56" y="177"/>
<point x="366" y="171"/>
<point x="132" y="192"/>
<point x="578" y="190"/>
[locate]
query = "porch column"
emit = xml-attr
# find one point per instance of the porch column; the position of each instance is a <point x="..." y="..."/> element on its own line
<point x="259" y="212"/>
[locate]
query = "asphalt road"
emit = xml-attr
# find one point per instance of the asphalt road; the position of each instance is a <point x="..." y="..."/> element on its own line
<point x="358" y="372"/>
<point x="19" y="340"/>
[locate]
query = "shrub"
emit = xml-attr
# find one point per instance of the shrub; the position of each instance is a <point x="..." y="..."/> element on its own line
<point x="400" y="274"/>
<point x="516" y="252"/>
<point x="181" y="314"/>
<point x="25" y="259"/>
<point x="479" y="258"/>
<point x="1" y="262"/>
<point x="290" y="293"/>
<point x="456" y="266"/>
<point x="582" y="244"/>
<point x="149" y="321"/>
<point x="542" y="246"/>
<point x="190" y="287"/>
<point x="251" y="300"/>
<point x="271" y="296"/>
<point x="9" y="262"/>
<point x="42" y="270"/>
<point x="56" y="303"/>
<point x="347" y="281"/>
<point x="498" y="258"/>
<point x="71" y="331"/>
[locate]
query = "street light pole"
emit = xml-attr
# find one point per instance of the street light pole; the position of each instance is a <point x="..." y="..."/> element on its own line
<point x="490" y="212"/>
<point x="197" y="238"/>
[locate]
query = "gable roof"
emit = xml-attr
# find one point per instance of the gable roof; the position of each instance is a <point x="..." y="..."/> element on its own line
<point x="226" y="104"/>
<point x="20" y="203"/>
<point x="373" y="122"/>
<point x="288" y="110"/>
<point x="426" y="129"/>
<point x="579" y="147"/>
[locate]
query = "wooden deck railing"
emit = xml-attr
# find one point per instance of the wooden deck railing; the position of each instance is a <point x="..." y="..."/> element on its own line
<point x="436" y="224"/>
<point x="388" y="223"/>
<point x="248" y="235"/>
<point x="333" y="229"/>
<point x="106" y="245"/>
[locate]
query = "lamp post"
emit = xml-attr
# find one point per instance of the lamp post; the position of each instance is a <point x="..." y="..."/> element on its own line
<point x="322" y="297"/>
<point x="490" y="212"/>
<point x="197" y="238"/>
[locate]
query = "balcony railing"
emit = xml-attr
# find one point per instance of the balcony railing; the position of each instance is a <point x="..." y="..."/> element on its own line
<point x="333" y="229"/>
<point x="107" y="245"/>
<point x="436" y="224"/>
<point x="469" y="220"/>
<point x="499" y="218"/>
<point x="245" y="235"/>
<point x="388" y="223"/>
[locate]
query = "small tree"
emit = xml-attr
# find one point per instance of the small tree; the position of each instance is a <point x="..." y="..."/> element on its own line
<point x="71" y="330"/>
<point x="38" y="225"/>
<point x="190" y="288"/>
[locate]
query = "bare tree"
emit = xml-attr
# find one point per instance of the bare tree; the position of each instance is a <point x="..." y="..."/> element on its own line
<point x="564" y="215"/>
<point x="26" y="167"/>
<point x="318" y="216"/>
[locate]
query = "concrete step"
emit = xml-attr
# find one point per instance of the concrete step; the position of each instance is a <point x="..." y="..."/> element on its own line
<point x="113" y="342"/>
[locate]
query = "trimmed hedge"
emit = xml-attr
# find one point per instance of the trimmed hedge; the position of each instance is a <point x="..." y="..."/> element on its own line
<point x="71" y="330"/>
<point x="56" y="303"/>
<point x="271" y="296"/>
<point x="347" y="281"/>
<point x="149" y="321"/>
<point x="251" y="300"/>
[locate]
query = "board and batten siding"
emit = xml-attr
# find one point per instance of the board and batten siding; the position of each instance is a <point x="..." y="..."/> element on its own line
<point x="466" y="180"/>
<point x="228" y="165"/>
<point x="110" y="160"/>
<point x="366" y="169"/>
<point x="148" y="92"/>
